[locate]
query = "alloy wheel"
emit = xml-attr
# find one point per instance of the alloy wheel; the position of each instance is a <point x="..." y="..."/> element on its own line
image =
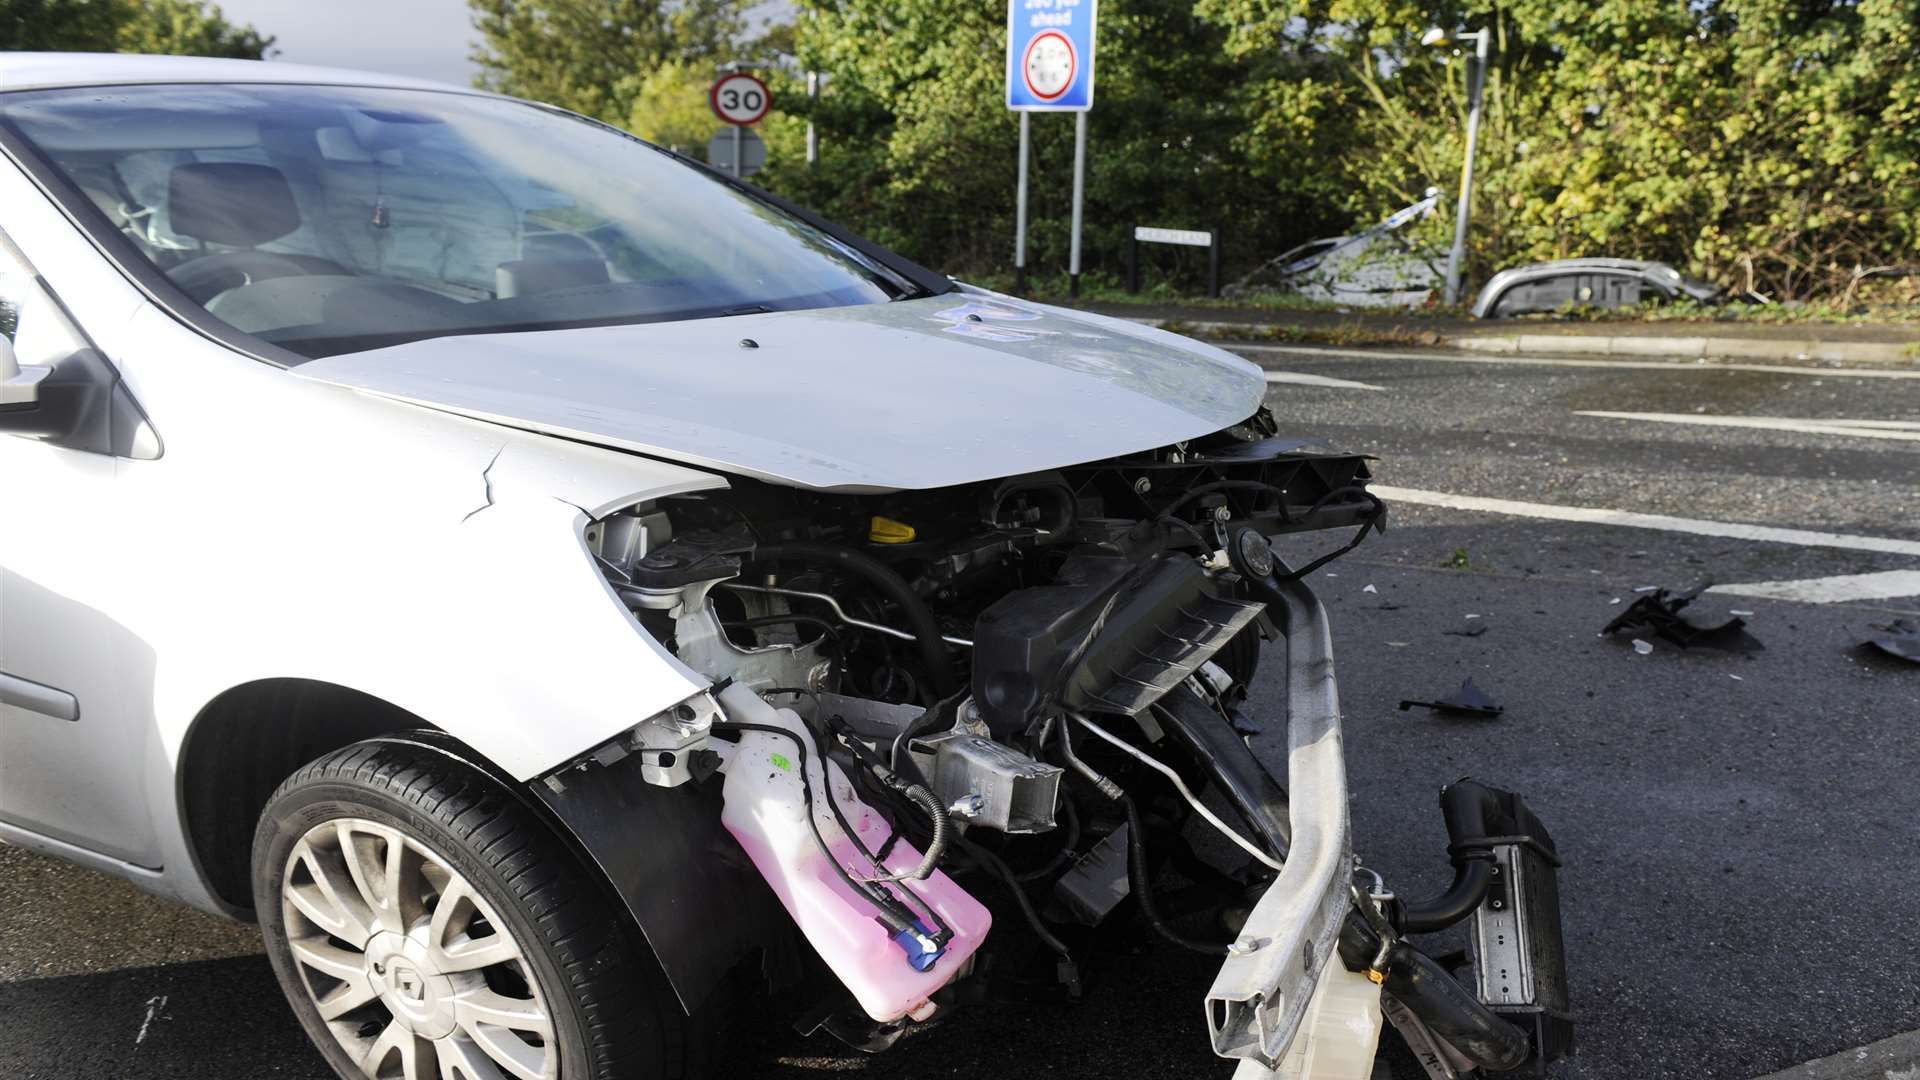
<point x="408" y="966"/>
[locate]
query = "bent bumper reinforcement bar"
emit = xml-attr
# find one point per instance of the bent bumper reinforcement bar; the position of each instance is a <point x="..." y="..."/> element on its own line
<point x="1261" y="994"/>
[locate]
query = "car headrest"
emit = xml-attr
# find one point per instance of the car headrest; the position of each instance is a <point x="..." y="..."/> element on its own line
<point x="557" y="245"/>
<point x="530" y="277"/>
<point x="230" y="202"/>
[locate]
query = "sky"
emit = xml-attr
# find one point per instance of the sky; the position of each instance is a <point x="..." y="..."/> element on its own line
<point x="427" y="39"/>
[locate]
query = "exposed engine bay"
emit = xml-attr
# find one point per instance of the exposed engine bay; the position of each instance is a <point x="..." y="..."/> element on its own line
<point x="880" y="596"/>
<point x="998" y="707"/>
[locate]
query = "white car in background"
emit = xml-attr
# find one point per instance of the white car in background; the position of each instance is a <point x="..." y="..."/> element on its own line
<point x="537" y="577"/>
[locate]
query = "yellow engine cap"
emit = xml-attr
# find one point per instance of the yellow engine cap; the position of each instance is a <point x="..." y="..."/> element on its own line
<point x="885" y="530"/>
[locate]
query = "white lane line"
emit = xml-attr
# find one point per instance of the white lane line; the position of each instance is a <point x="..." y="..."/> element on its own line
<point x="154" y="1005"/>
<point x="1301" y="378"/>
<point x="1891" y="425"/>
<point x="1568" y="362"/>
<point x="1627" y="519"/>
<point x="1868" y="429"/>
<point x="1886" y="585"/>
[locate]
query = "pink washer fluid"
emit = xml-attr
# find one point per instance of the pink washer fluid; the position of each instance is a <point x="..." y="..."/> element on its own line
<point x="766" y="811"/>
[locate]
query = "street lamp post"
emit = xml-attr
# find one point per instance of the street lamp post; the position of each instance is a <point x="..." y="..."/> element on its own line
<point x="813" y="137"/>
<point x="1476" y="82"/>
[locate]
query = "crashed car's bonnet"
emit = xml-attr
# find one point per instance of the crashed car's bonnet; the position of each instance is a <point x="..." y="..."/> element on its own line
<point x="914" y="394"/>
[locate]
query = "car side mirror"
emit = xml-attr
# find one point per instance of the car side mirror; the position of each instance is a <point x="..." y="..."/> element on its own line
<point x="19" y="383"/>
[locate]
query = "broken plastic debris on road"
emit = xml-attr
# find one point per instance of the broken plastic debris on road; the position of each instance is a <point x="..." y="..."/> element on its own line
<point x="1663" y="613"/>
<point x="1469" y="700"/>
<point x="1899" y="638"/>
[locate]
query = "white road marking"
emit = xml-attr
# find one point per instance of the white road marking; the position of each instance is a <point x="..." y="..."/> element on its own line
<point x="154" y="1005"/>
<point x="1568" y="362"/>
<point x="1865" y="429"/>
<point x="1301" y="378"/>
<point x="1661" y="522"/>
<point x="1886" y="585"/>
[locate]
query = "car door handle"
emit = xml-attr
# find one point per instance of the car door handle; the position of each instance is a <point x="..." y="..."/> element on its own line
<point x="34" y="697"/>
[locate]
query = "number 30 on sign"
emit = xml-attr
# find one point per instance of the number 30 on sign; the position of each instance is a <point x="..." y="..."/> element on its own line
<point x="740" y="99"/>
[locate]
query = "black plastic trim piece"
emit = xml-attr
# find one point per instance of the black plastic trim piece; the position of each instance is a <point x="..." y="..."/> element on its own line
<point x="81" y="399"/>
<point x="689" y="886"/>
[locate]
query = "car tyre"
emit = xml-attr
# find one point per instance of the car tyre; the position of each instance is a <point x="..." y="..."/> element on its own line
<point x="528" y="972"/>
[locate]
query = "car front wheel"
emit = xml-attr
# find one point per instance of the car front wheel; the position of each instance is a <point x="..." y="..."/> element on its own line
<point x="425" y="925"/>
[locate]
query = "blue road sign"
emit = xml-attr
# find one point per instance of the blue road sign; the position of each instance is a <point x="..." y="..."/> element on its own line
<point x="1050" y="55"/>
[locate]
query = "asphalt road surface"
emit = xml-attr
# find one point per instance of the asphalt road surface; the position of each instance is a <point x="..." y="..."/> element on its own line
<point x="1739" y="831"/>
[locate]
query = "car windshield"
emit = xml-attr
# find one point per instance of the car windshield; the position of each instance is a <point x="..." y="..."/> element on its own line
<point x="329" y="219"/>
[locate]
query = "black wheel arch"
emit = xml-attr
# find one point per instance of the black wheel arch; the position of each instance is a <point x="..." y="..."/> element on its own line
<point x="611" y="1011"/>
<point x="239" y="748"/>
<point x="660" y="855"/>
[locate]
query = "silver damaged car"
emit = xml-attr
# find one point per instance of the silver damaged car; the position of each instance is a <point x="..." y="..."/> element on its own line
<point x="554" y="589"/>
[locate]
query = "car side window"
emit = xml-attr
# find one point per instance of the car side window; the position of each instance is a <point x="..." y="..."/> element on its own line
<point x="30" y="318"/>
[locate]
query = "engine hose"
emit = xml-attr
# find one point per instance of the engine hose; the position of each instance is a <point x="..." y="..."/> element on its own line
<point x="1069" y="849"/>
<point x="1142" y="888"/>
<point x="891" y="785"/>
<point x="1138" y="881"/>
<point x="826" y="627"/>
<point x="1179" y="785"/>
<point x="899" y="758"/>
<point x="926" y="632"/>
<point x="1449" y="1009"/>
<point x="1253" y="792"/>
<point x="898" y="787"/>
<point x="1107" y="787"/>
<point x="1000" y="870"/>
<point x="937" y="846"/>
<point x="1470" y="810"/>
<point x="894" y="915"/>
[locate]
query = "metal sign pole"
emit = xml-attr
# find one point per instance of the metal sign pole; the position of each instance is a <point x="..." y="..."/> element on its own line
<point x="1213" y="263"/>
<point x="739" y="100"/>
<point x="1476" y="85"/>
<point x="813" y="139"/>
<point x="1020" y="213"/>
<point x="1079" y="199"/>
<point x="1050" y="69"/>
<point x="1133" y="259"/>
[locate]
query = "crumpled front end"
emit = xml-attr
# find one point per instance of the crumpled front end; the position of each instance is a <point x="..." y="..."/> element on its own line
<point x="978" y="721"/>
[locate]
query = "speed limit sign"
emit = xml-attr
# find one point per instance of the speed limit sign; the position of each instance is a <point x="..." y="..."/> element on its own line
<point x="740" y="99"/>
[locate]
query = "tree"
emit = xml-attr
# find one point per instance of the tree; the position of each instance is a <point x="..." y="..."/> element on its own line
<point x="919" y="150"/>
<point x="1766" y="144"/>
<point x="187" y="28"/>
<point x="55" y="25"/>
<point x="670" y="107"/>
<point x="183" y="27"/>
<point x="594" y="56"/>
